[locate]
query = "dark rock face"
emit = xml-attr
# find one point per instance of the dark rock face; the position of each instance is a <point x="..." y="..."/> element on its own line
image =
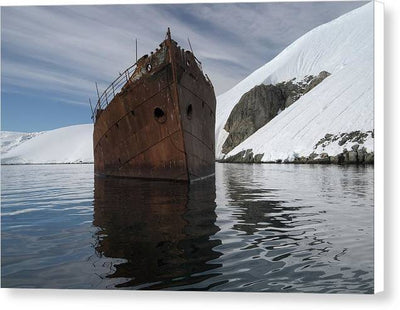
<point x="256" y="108"/>
<point x="246" y="156"/>
<point x="261" y="104"/>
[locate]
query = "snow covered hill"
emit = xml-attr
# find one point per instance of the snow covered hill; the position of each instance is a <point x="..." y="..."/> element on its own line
<point x="71" y="144"/>
<point x="11" y="139"/>
<point x="339" y="105"/>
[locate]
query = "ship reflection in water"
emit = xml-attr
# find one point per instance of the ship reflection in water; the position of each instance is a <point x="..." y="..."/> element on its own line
<point x="160" y="231"/>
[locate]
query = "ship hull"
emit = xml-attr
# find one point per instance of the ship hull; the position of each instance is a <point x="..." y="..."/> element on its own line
<point x="161" y="125"/>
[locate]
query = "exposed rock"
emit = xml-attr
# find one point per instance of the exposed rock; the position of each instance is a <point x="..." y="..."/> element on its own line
<point x="324" y="160"/>
<point x="362" y="154"/>
<point x="316" y="80"/>
<point x="369" y="158"/>
<point x="256" y="108"/>
<point x="258" y="157"/>
<point x="237" y="158"/>
<point x="246" y="156"/>
<point x="324" y="155"/>
<point x="343" y="140"/>
<point x="261" y="104"/>
<point x="340" y="158"/>
<point x="358" y="154"/>
<point x="352" y="157"/>
<point x="312" y="155"/>
<point x="334" y="159"/>
<point x="300" y="160"/>
<point x="356" y="137"/>
<point x="346" y="156"/>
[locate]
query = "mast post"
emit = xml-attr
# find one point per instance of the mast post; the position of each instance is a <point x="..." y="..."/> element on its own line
<point x="190" y="45"/>
<point x="169" y="34"/>
<point x="136" y="49"/>
<point x="97" y="90"/>
<point x="91" y="109"/>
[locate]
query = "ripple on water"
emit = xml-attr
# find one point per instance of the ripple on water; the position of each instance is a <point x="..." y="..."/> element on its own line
<point x="276" y="228"/>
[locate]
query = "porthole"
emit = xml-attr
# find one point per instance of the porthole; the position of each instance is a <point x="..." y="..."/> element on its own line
<point x="148" y="67"/>
<point x="189" y="111"/>
<point x="159" y="115"/>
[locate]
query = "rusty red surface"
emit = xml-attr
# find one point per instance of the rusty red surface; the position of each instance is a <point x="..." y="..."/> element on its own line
<point x="161" y="124"/>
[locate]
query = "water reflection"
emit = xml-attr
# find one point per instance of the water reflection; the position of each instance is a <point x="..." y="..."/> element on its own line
<point x="295" y="228"/>
<point x="162" y="231"/>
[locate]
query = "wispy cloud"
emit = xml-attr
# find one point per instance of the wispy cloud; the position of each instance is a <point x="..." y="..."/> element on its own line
<point x="61" y="51"/>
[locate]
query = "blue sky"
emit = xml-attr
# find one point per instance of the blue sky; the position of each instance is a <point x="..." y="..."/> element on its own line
<point x="52" y="56"/>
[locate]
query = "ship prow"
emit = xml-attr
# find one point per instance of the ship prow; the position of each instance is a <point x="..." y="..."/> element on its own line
<point x="157" y="119"/>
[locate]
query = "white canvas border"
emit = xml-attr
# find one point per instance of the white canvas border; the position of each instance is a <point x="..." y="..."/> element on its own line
<point x="64" y="299"/>
<point x="379" y="147"/>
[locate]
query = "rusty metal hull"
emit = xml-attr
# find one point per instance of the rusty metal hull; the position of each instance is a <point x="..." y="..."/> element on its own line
<point x="161" y="124"/>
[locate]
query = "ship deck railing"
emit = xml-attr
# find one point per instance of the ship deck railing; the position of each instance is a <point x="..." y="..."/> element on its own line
<point x="114" y="88"/>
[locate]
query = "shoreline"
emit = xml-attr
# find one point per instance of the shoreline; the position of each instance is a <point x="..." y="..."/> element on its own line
<point x="220" y="162"/>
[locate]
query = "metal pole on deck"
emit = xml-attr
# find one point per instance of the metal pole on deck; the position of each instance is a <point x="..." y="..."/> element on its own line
<point x="91" y="109"/>
<point x="190" y="45"/>
<point x="136" y="50"/>
<point x="97" y="89"/>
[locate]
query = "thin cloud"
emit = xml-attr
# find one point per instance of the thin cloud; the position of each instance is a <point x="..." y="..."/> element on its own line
<point x="65" y="49"/>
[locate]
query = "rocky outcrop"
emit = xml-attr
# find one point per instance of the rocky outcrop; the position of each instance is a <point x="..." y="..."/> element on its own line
<point x="261" y="104"/>
<point x="359" y="157"/>
<point x="352" y="145"/>
<point x="357" y="136"/>
<point x="256" y="108"/>
<point x="246" y="156"/>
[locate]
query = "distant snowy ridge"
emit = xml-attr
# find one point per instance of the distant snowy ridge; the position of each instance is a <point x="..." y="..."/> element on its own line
<point x="342" y="103"/>
<point x="11" y="139"/>
<point x="71" y="144"/>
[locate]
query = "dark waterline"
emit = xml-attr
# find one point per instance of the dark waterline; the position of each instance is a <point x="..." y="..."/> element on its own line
<point x="294" y="228"/>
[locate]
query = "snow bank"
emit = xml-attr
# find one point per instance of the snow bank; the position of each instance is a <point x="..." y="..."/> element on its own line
<point x="11" y="139"/>
<point x="71" y="144"/>
<point x="343" y="102"/>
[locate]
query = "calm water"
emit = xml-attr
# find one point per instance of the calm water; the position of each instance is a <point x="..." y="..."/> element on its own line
<point x="294" y="228"/>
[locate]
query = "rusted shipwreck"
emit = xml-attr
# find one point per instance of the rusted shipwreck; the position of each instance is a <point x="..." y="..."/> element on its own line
<point x="157" y="119"/>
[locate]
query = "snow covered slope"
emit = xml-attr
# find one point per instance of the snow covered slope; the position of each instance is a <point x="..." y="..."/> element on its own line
<point x="71" y="144"/>
<point x="11" y="139"/>
<point x="342" y="103"/>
